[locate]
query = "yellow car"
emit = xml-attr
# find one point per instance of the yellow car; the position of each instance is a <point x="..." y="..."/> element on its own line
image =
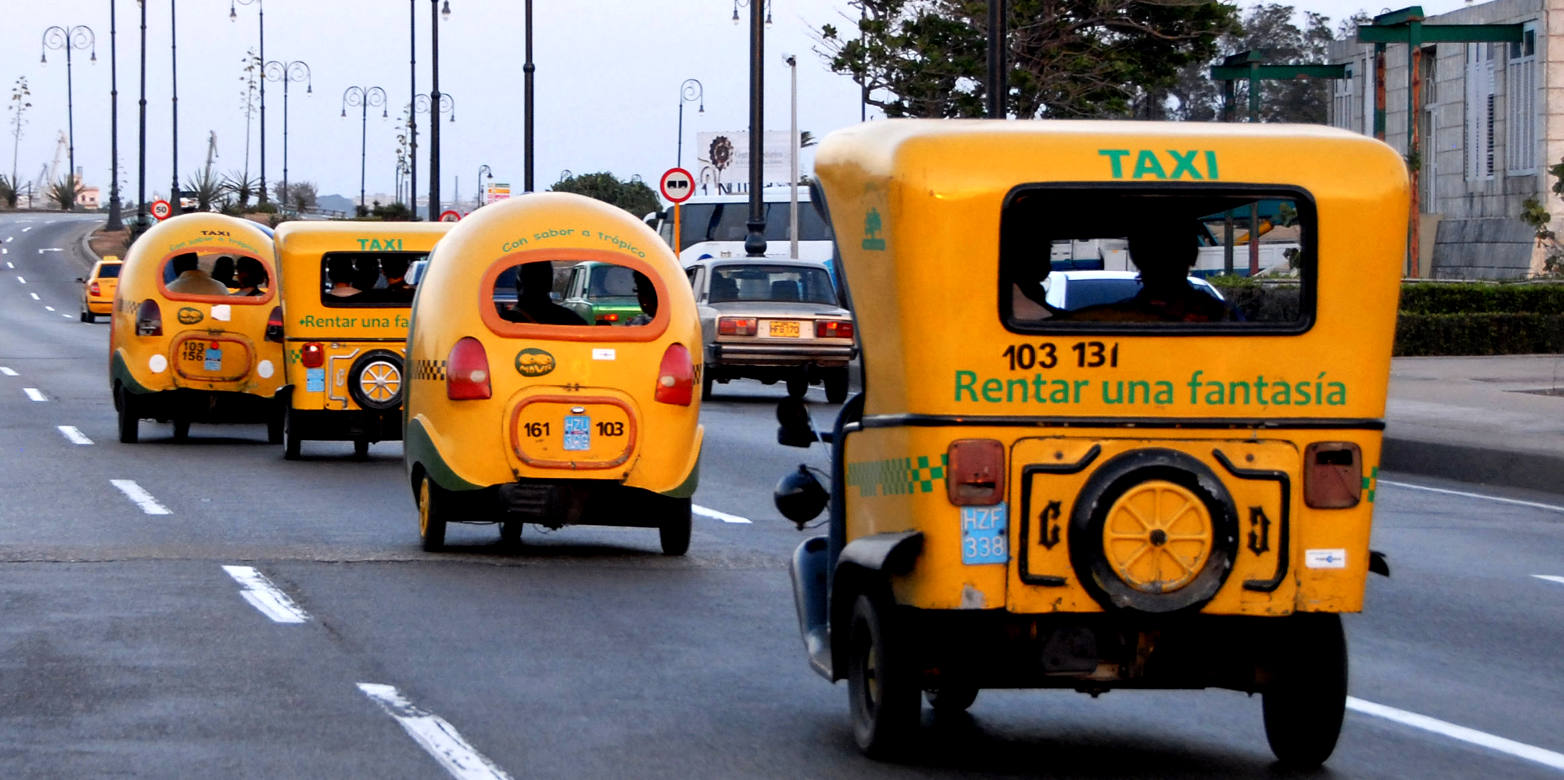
<point x="1162" y="490"/>
<point x="182" y="347"/>
<point x="519" y="411"/>
<point x="97" y="292"/>
<point x="345" y="308"/>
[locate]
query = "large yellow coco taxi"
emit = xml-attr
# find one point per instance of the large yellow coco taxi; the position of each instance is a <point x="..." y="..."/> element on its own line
<point x="187" y="338"/>
<point x="1162" y="490"/>
<point x="345" y="313"/>
<point x="519" y="411"/>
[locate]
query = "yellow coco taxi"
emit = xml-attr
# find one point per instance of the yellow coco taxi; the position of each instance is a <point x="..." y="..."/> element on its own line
<point x="345" y="309"/>
<point x="519" y="411"/>
<point x="97" y="290"/>
<point x="1160" y="490"/>
<point x="187" y="341"/>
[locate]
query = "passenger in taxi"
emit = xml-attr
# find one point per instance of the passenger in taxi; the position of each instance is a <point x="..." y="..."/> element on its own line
<point x="191" y="280"/>
<point x="1163" y="249"/>
<point x="249" y="277"/>
<point x="223" y="271"/>
<point x="646" y="295"/>
<point x="339" y="272"/>
<point x="534" y="281"/>
<point x="395" y="268"/>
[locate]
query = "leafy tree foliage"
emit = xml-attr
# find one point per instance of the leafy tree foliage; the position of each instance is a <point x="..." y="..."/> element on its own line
<point x="1270" y="29"/>
<point x="63" y="192"/>
<point x="632" y="196"/>
<point x="1067" y="58"/>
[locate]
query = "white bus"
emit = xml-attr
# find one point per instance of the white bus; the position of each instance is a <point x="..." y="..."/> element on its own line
<point x="715" y="226"/>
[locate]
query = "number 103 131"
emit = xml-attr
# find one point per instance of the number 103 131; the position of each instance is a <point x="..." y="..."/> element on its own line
<point x="1088" y="354"/>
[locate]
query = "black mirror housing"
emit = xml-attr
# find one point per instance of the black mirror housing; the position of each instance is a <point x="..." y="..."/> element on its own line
<point x="799" y="496"/>
<point x="794" y="426"/>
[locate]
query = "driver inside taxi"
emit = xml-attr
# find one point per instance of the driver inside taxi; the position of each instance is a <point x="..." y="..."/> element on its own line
<point x="534" y="282"/>
<point x="191" y="280"/>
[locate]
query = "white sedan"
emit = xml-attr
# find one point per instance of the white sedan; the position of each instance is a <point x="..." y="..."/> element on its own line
<point x="1074" y="290"/>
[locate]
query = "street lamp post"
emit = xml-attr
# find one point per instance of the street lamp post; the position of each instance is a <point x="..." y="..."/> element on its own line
<point x="412" y="122"/>
<point x="363" y="97"/>
<point x="114" y="217"/>
<point x="233" y="15"/>
<point x="173" y="83"/>
<point x="755" y="241"/>
<point x="483" y="169"/>
<point x="527" y="68"/>
<point x="792" y="153"/>
<point x="295" y="71"/>
<point x="435" y="12"/>
<point x="690" y="91"/>
<point x="74" y="37"/>
<point x="141" y="164"/>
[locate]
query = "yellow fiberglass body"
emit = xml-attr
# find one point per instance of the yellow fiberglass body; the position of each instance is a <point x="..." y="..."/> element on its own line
<point x="519" y="411"/>
<point x="1076" y="463"/>
<point x="346" y="307"/>
<point x="187" y="336"/>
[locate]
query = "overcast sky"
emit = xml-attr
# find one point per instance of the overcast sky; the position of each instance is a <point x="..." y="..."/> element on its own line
<point x="607" y="84"/>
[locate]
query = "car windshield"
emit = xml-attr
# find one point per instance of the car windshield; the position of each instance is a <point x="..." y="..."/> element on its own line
<point x="771" y="283"/>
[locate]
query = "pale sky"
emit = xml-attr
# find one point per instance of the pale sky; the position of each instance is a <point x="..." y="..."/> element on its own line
<point x="607" y="85"/>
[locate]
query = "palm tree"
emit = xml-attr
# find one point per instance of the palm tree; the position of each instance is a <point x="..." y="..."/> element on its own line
<point x="7" y="192"/>
<point x="208" y="187"/>
<point x="64" y="192"/>
<point x="241" y="187"/>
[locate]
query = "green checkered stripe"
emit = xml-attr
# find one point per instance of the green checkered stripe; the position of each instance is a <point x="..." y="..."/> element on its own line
<point x="897" y="476"/>
<point x="1370" y="483"/>
<point x="432" y="370"/>
<point x="294" y="356"/>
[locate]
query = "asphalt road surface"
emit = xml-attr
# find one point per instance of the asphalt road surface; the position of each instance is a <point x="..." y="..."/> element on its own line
<point x="209" y="609"/>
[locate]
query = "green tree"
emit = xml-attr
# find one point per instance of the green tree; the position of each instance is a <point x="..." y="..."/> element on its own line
<point x="1272" y="30"/>
<point x="207" y="186"/>
<point x="19" y="105"/>
<point x="241" y="187"/>
<point x="300" y="195"/>
<point x="632" y="196"/>
<point x="63" y="192"/>
<point x="1067" y="58"/>
<point x="8" y="192"/>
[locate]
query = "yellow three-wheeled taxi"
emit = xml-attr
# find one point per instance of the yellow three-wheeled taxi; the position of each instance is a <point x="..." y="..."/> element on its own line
<point x="1153" y="486"/>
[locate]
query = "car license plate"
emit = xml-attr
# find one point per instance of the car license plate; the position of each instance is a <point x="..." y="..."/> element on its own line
<point x="214" y="359"/>
<point x="578" y="432"/>
<point x="786" y="329"/>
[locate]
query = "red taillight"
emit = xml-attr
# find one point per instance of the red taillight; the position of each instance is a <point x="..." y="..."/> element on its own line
<point x="93" y="288"/>
<point x="736" y="326"/>
<point x="833" y="329"/>
<point x="313" y="355"/>
<point x="975" y="472"/>
<point x="1332" y="475"/>
<point x="274" y="325"/>
<point x="149" y="319"/>
<point x="467" y="371"/>
<point x="676" y="377"/>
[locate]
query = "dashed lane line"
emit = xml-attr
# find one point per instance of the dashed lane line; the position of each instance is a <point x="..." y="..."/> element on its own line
<point x="20" y="279"/>
<point x="35" y="296"/>
<point x="716" y="515"/>
<point x="74" y="434"/>
<point x="35" y="394"/>
<point x="1539" y="755"/>
<point x="140" y="496"/>
<point x="49" y="308"/>
<point x="7" y="371"/>
<point x="25" y="229"/>
<point x="1464" y="494"/>
<point x="434" y="734"/>
<point x="1550" y="578"/>
<point x="50" y="249"/>
<point x="267" y="598"/>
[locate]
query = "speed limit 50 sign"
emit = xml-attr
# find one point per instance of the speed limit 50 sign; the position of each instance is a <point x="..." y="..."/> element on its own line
<point x="677" y="185"/>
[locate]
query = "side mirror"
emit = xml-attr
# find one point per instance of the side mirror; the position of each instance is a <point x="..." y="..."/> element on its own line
<point x="799" y="496"/>
<point x="794" y="426"/>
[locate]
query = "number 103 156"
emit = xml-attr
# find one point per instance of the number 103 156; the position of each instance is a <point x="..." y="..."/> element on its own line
<point x="1088" y="354"/>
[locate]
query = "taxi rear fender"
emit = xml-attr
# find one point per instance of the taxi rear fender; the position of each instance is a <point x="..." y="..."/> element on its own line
<point x="422" y="456"/>
<point x="866" y="565"/>
<point x="120" y="374"/>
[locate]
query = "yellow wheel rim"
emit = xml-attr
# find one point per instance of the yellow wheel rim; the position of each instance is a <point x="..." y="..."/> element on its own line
<point x="380" y="381"/>
<point x="423" y="507"/>
<point x="1158" y="536"/>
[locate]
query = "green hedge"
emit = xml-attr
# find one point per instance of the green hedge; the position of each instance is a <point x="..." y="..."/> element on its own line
<point x="1486" y="333"/>
<point x="1482" y="298"/>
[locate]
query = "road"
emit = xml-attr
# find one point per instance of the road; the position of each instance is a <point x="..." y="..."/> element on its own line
<point x="141" y="589"/>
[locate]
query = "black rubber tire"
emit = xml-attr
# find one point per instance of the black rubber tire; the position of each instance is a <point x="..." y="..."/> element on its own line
<point x="510" y="532"/>
<point x="882" y="686"/>
<point x="797" y="384"/>
<point x="181" y="428"/>
<point x="706" y="383"/>
<point x="361" y="449"/>
<point x="386" y="360"/>
<point x="675" y="525"/>
<point x="951" y="698"/>
<point x="1306" y="701"/>
<point x="431" y="515"/>
<point x="129" y="422"/>
<point x="836" y="385"/>
<point x="292" y="437"/>
<point x="87" y="316"/>
<point x="275" y="423"/>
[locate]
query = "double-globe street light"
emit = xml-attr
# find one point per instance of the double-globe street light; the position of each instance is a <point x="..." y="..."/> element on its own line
<point x="295" y="71"/>
<point x="363" y="97"/>
<point x="72" y="37"/>
<point x="689" y="92"/>
<point x="233" y="15"/>
<point x="421" y="104"/>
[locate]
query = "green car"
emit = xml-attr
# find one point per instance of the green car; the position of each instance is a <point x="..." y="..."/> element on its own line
<point x="602" y="293"/>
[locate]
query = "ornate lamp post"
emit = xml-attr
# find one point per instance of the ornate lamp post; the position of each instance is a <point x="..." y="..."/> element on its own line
<point x="75" y="37"/>
<point x="412" y="122"/>
<point x="233" y="15"/>
<point x="114" y="217"/>
<point x="755" y="241"/>
<point x="690" y="91"/>
<point x="482" y="170"/>
<point x="435" y="12"/>
<point x="363" y="97"/>
<point x="528" y="68"/>
<point x="295" y="71"/>
<point x="141" y="165"/>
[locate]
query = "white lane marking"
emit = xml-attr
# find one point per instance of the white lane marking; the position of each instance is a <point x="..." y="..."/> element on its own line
<point x="715" y="515"/>
<point x="9" y="239"/>
<point x="1550" y="578"/>
<point x="25" y="229"/>
<point x="74" y="434"/>
<point x="66" y="316"/>
<point x="1481" y="739"/>
<point x="434" y="734"/>
<point x="34" y="393"/>
<point x="20" y="279"/>
<point x="266" y="597"/>
<point x="140" y="496"/>
<point x="7" y="370"/>
<point x="35" y="296"/>
<point x="51" y="249"/>
<point x="50" y="308"/>
<point x="1515" y="501"/>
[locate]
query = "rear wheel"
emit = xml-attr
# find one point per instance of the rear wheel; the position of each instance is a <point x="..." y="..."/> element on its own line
<point x="361" y="448"/>
<point x="951" y="698"/>
<point x="181" y="429"/>
<point x="129" y="422"/>
<point x="836" y="385"/>
<point x="510" y="532"/>
<point x="291" y="435"/>
<point x="673" y="529"/>
<point x="1307" y="699"/>
<point x="797" y="384"/>
<point x="882" y="687"/>
<point x="87" y="316"/>
<point x="706" y="382"/>
<point x="274" y="423"/>
<point x="431" y="515"/>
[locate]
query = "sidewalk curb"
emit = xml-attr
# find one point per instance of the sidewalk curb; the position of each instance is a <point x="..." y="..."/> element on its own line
<point x="1469" y="463"/>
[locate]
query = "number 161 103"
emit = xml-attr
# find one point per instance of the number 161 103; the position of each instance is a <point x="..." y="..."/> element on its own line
<point x="1088" y="354"/>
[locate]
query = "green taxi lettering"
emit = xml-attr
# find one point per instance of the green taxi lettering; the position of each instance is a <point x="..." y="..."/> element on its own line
<point x="377" y="245"/>
<point x="1168" y="165"/>
<point x="1198" y="389"/>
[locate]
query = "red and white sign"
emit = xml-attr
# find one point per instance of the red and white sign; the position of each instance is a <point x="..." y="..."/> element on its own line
<point x="161" y="209"/>
<point x="677" y="185"/>
<point x="450" y="216"/>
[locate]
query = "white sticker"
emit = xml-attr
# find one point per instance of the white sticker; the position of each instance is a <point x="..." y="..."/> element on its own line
<point x="222" y="312"/>
<point x="264" y="368"/>
<point x="603" y="354"/>
<point x="157" y="363"/>
<point x="1325" y="559"/>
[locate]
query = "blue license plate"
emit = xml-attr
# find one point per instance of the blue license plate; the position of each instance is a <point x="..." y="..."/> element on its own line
<point x="984" y="535"/>
<point x="578" y="432"/>
<point x="214" y="359"/>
